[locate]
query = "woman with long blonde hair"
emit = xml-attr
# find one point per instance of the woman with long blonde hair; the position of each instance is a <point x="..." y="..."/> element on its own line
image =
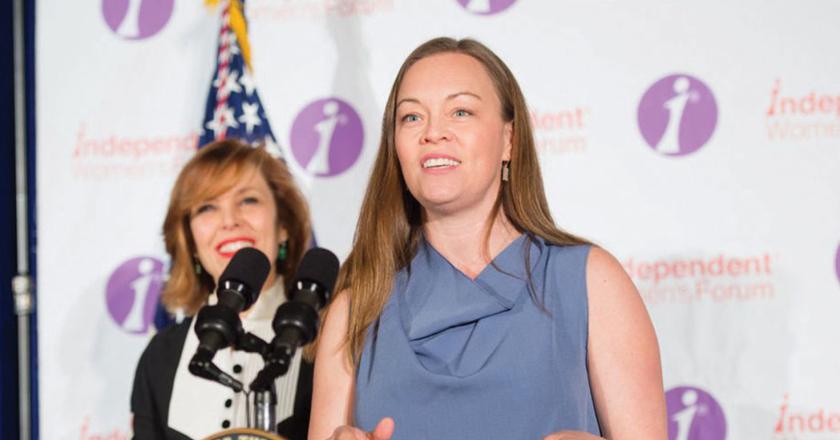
<point x="463" y="311"/>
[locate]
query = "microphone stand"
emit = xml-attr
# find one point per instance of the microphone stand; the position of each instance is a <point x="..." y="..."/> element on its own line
<point x="265" y="398"/>
<point x="295" y="323"/>
<point x="277" y="363"/>
<point x="265" y="395"/>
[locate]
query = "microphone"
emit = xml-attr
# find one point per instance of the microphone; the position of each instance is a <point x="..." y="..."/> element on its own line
<point x="242" y="279"/>
<point x="311" y="290"/>
<point x="218" y="326"/>
<point x="296" y="321"/>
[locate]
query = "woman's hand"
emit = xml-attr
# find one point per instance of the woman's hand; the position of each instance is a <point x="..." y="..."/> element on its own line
<point x="383" y="431"/>
<point x="571" y="435"/>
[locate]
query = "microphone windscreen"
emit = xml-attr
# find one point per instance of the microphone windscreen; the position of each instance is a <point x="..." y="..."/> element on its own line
<point x="319" y="266"/>
<point x="248" y="266"/>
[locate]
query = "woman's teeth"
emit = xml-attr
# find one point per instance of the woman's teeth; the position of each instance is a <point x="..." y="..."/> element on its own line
<point x="439" y="162"/>
<point x="235" y="246"/>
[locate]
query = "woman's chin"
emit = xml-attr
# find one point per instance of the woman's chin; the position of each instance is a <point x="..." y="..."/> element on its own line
<point x="438" y="201"/>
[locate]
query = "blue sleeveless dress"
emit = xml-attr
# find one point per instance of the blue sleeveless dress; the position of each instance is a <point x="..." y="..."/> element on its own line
<point x="455" y="358"/>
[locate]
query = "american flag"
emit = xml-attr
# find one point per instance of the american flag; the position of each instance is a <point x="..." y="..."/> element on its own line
<point x="233" y="105"/>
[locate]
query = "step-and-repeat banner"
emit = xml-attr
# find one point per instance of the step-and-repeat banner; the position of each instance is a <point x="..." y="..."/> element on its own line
<point x="698" y="141"/>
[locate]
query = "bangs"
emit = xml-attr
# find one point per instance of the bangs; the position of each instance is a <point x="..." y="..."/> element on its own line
<point x="206" y="180"/>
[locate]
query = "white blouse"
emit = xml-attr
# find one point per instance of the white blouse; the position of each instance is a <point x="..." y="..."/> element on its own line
<point x="200" y="407"/>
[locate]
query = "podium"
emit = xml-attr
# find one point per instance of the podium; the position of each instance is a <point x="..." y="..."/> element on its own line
<point x="244" y="434"/>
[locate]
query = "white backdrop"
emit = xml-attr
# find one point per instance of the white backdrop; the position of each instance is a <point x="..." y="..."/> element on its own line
<point x="698" y="141"/>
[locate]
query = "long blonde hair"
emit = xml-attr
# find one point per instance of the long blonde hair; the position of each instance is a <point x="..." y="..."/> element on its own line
<point x="213" y="170"/>
<point x="390" y="221"/>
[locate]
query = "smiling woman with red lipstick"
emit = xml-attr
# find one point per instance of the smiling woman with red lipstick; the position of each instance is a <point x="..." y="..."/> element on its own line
<point x="227" y="197"/>
<point x="464" y="312"/>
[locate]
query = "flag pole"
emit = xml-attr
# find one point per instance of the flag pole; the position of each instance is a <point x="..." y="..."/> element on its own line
<point x="21" y="284"/>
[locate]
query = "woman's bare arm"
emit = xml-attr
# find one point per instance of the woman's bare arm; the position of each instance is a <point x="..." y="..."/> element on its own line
<point x="334" y="378"/>
<point x="623" y="357"/>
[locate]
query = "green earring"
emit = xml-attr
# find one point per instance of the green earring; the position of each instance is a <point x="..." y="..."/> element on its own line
<point x="282" y="252"/>
<point x="197" y="268"/>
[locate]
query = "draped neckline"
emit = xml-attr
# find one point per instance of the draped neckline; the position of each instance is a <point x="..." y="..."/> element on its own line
<point x="446" y="315"/>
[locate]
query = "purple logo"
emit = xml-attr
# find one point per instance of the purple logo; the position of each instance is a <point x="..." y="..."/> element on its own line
<point x="486" y="7"/>
<point x="693" y="414"/>
<point x="137" y="19"/>
<point x="677" y="115"/>
<point x="327" y="137"/>
<point x="837" y="263"/>
<point x="132" y="293"/>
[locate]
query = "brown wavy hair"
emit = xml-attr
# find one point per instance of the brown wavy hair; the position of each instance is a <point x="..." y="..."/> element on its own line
<point x="390" y="221"/>
<point x="214" y="169"/>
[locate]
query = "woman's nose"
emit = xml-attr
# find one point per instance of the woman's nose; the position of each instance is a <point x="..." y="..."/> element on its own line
<point x="230" y="217"/>
<point x="436" y="131"/>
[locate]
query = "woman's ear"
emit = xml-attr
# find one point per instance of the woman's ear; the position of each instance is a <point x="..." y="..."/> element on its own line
<point x="508" y="134"/>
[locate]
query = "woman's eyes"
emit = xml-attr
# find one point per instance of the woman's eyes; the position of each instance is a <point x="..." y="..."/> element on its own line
<point x="204" y="208"/>
<point x="207" y="207"/>
<point x="413" y="117"/>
